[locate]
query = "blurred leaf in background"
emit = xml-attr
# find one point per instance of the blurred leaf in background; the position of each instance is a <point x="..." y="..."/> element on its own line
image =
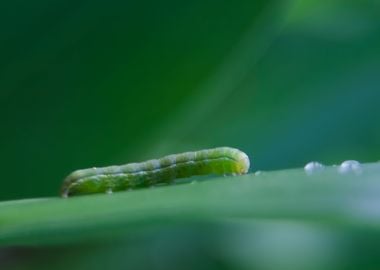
<point x="94" y="83"/>
<point x="87" y="83"/>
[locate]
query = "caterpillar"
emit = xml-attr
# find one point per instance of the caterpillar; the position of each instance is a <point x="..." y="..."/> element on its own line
<point x="221" y="160"/>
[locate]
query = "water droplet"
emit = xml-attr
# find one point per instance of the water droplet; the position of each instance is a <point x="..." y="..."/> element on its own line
<point x="258" y="173"/>
<point x="350" y="166"/>
<point x="194" y="182"/>
<point x="313" y="167"/>
<point x="109" y="191"/>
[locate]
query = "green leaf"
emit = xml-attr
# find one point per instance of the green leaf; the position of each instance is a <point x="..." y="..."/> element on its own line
<point x="328" y="197"/>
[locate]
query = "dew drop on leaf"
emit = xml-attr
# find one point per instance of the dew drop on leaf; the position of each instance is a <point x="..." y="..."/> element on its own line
<point x="350" y="166"/>
<point x="313" y="167"/>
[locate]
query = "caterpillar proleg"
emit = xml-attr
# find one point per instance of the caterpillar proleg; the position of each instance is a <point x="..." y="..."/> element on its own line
<point x="221" y="160"/>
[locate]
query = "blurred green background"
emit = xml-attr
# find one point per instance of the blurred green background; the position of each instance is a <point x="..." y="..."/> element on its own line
<point x="94" y="83"/>
<point x="87" y="83"/>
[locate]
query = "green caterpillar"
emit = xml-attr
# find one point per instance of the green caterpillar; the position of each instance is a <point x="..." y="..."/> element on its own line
<point x="222" y="160"/>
